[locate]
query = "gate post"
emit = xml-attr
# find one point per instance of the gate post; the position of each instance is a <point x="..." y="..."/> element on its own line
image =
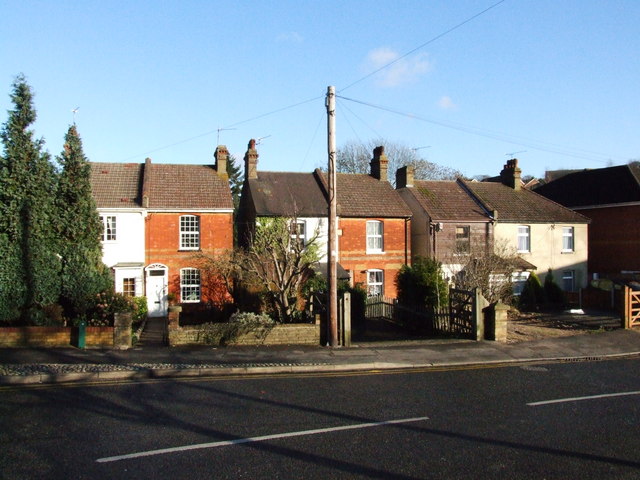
<point x="346" y="319"/>
<point x="479" y="304"/>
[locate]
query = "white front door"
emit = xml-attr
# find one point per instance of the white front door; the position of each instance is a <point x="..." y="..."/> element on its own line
<point x="157" y="276"/>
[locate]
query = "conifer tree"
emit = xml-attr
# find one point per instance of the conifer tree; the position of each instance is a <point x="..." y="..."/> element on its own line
<point x="235" y="180"/>
<point x="29" y="270"/>
<point x="79" y="230"/>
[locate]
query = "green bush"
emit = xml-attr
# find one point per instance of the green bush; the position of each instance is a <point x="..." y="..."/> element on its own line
<point x="140" y="309"/>
<point x="532" y="295"/>
<point x="421" y="284"/>
<point x="552" y="290"/>
<point x="106" y="305"/>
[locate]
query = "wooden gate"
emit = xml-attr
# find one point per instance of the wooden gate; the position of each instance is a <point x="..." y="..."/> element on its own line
<point x="458" y="318"/>
<point x="631" y="308"/>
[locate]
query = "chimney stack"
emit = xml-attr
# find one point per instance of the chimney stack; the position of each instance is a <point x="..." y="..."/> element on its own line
<point x="404" y="176"/>
<point x="251" y="161"/>
<point x="510" y="174"/>
<point x="222" y="156"/>
<point x="146" y="182"/>
<point x="379" y="164"/>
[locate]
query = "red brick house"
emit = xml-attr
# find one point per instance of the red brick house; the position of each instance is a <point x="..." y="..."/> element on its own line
<point x="610" y="197"/>
<point x="175" y="212"/>
<point x="373" y="221"/>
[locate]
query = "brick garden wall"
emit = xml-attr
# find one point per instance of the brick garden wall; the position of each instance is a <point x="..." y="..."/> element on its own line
<point x="54" y="336"/>
<point x="287" y="334"/>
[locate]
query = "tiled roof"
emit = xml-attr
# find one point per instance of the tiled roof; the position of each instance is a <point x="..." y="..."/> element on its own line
<point x="304" y="195"/>
<point x="521" y="205"/>
<point x="602" y="186"/>
<point x="187" y="187"/>
<point x="361" y="195"/>
<point x="287" y="194"/>
<point x="116" y="185"/>
<point x="120" y="185"/>
<point x="447" y="201"/>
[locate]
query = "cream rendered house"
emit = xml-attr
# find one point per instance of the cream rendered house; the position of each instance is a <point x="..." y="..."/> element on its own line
<point x="544" y="233"/>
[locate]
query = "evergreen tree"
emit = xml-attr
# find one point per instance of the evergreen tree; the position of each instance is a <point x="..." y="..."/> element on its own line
<point x="29" y="270"/>
<point x="235" y="180"/>
<point x="79" y="230"/>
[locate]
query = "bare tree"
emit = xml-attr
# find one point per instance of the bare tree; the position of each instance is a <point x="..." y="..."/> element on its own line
<point x="354" y="157"/>
<point x="276" y="263"/>
<point x="490" y="270"/>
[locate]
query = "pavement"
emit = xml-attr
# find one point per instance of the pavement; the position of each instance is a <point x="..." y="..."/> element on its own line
<point x="150" y="359"/>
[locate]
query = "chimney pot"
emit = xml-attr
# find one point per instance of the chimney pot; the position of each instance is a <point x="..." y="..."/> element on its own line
<point x="222" y="156"/>
<point x="251" y="161"/>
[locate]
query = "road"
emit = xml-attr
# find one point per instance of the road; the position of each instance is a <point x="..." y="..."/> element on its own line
<point x="553" y="421"/>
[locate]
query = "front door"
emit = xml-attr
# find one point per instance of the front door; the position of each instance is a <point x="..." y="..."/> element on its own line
<point x="157" y="276"/>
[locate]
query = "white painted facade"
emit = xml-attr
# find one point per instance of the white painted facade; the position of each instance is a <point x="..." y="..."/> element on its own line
<point x="318" y="227"/>
<point x="125" y="254"/>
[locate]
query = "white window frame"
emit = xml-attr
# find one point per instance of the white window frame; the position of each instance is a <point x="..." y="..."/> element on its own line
<point x="375" y="282"/>
<point x="299" y="232"/>
<point x="190" y="286"/>
<point x="568" y="239"/>
<point x="524" y="235"/>
<point x="109" y="228"/>
<point x="569" y="280"/>
<point x="189" y="232"/>
<point x="375" y="239"/>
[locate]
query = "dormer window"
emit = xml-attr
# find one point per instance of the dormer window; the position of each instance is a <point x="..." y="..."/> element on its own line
<point x="189" y="232"/>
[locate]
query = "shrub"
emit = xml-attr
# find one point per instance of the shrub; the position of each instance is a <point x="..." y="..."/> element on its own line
<point x="532" y="294"/>
<point x="239" y="324"/>
<point x="552" y="290"/>
<point x="422" y="284"/>
<point x="106" y="305"/>
<point x="140" y="309"/>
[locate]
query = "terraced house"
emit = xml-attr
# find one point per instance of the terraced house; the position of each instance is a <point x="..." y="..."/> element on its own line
<point x="453" y="219"/>
<point x="373" y="221"/>
<point x="157" y="218"/>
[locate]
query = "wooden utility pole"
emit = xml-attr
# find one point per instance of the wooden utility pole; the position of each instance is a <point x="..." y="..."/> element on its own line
<point x="332" y="247"/>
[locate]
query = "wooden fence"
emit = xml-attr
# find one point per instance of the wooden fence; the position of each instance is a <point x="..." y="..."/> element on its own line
<point x="459" y="317"/>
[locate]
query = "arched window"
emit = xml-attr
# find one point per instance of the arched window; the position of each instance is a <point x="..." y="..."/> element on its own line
<point x="189" y="285"/>
<point x="189" y="232"/>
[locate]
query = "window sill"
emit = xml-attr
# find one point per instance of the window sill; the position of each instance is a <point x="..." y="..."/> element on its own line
<point x="189" y="249"/>
<point x="375" y="252"/>
<point x="567" y="252"/>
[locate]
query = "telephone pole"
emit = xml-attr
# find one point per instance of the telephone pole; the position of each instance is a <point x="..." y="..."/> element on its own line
<point x="332" y="247"/>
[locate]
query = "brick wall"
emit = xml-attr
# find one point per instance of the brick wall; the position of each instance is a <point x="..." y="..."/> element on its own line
<point x="353" y="250"/>
<point x="614" y="239"/>
<point x="163" y="242"/>
<point x="287" y="334"/>
<point x="54" y="336"/>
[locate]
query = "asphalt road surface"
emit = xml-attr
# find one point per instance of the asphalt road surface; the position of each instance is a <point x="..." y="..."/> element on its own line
<point x="552" y="421"/>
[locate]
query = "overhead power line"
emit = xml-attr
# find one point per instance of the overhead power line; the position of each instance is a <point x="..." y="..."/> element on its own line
<point x="515" y="140"/>
<point x="228" y="127"/>
<point x="437" y="37"/>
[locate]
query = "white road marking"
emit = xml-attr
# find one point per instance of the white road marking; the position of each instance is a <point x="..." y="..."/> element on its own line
<point x="578" y="399"/>
<point x="256" y="439"/>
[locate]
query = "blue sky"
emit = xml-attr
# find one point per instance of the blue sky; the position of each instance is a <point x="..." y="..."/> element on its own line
<point x="555" y="81"/>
